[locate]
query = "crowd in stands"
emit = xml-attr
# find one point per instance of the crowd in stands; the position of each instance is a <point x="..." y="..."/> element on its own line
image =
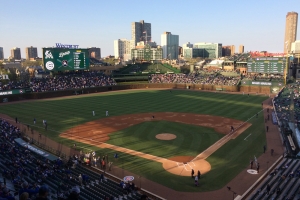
<point x="38" y="178"/>
<point x="14" y="85"/>
<point x="243" y="57"/>
<point x="264" y="77"/>
<point x="239" y="57"/>
<point x="62" y="81"/>
<point x="203" y="77"/>
<point x="283" y="102"/>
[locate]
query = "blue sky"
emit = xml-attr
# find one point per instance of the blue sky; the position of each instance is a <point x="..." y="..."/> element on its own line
<point x="257" y="24"/>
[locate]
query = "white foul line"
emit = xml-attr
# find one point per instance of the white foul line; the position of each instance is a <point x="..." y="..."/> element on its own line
<point x="247" y="137"/>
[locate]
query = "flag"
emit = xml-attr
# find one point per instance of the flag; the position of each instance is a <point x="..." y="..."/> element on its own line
<point x="144" y="32"/>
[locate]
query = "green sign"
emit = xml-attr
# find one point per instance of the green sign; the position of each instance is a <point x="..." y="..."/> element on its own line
<point x="16" y="91"/>
<point x="261" y="83"/>
<point x="62" y="59"/>
<point x="266" y="65"/>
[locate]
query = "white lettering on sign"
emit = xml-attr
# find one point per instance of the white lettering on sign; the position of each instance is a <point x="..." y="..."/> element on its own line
<point x="6" y="93"/>
<point x="261" y="83"/>
<point x="62" y="54"/>
<point x="70" y="46"/>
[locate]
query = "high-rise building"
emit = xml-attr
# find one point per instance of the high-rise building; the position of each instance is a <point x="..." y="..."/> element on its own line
<point x="95" y="52"/>
<point x="290" y="30"/>
<point x="169" y="44"/>
<point x="187" y="45"/>
<point x="204" y="50"/>
<point x="228" y="50"/>
<point x="140" y="31"/>
<point x="122" y="48"/>
<point x="15" y="53"/>
<point x="295" y="47"/>
<point x="31" y="53"/>
<point x="1" y="53"/>
<point x="241" y="49"/>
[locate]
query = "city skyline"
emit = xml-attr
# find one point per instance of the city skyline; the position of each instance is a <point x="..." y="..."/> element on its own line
<point x="258" y="27"/>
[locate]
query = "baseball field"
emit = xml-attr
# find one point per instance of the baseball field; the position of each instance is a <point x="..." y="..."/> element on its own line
<point x="158" y="134"/>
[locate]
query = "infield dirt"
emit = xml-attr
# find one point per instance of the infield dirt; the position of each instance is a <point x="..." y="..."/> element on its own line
<point x="97" y="133"/>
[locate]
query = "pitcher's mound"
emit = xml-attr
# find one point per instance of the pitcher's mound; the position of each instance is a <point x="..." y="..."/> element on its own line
<point x="166" y="136"/>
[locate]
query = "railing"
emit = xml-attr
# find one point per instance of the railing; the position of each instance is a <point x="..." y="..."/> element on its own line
<point x="43" y="142"/>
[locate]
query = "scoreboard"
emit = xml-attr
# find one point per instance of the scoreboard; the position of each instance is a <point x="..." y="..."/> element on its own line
<point x="266" y="65"/>
<point x="62" y="59"/>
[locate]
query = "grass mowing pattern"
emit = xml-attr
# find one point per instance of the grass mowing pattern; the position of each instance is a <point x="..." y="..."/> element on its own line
<point x="190" y="141"/>
<point x="227" y="162"/>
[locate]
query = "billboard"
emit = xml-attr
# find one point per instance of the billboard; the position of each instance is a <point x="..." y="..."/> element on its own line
<point x="61" y="59"/>
<point x="266" y="65"/>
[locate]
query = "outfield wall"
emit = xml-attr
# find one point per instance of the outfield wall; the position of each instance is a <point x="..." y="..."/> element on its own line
<point x="226" y="88"/>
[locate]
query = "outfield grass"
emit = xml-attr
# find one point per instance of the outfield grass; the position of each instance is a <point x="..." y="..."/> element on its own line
<point x="64" y="113"/>
<point x="190" y="141"/>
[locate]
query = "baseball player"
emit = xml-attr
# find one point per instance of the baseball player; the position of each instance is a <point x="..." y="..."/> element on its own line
<point x="106" y="114"/>
<point x="93" y="113"/>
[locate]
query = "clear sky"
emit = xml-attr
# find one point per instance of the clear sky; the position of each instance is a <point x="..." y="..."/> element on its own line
<point x="257" y="24"/>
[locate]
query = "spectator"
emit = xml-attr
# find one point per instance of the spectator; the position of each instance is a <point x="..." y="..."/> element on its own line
<point x="74" y="195"/>
<point x="24" y="196"/>
<point x="43" y="193"/>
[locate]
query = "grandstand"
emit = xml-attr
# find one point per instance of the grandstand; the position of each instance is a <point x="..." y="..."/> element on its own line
<point x="25" y="167"/>
<point x="281" y="183"/>
<point x="145" y="68"/>
<point x="206" y="77"/>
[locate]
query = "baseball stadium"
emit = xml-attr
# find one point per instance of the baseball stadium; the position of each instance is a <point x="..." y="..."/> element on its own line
<point x="222" y="130"/>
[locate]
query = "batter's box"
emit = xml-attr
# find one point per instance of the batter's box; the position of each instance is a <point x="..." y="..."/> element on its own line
<point x="179" y="164"/>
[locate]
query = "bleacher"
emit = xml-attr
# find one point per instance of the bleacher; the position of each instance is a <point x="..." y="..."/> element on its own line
<point x="282" y="183"/>
<point x="230" y="73"/>
<point x="146" y="68"/>
<point x="19" y="165"/>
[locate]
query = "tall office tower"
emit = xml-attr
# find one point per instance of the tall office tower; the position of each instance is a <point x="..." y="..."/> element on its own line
<point x="1" y="53"/>
<point x="140" y="31"/>
<point x="241" y="49"/>
<point x="122" y="49"/>
<point x="169" y="44"/>
<point x="15" y="53"/>
<point x="31" y="53"/>
<point x="290" y="30"/>
<point x="228" y="50"/>
<point x="95" y="52"/>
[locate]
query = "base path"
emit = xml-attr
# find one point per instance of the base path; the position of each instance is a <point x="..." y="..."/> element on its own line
<point x="97" y="133"/>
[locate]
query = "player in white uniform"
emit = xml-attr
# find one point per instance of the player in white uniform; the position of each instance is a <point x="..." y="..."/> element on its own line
<point x="93" y="113"/>
<point x="107" y="114"/>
